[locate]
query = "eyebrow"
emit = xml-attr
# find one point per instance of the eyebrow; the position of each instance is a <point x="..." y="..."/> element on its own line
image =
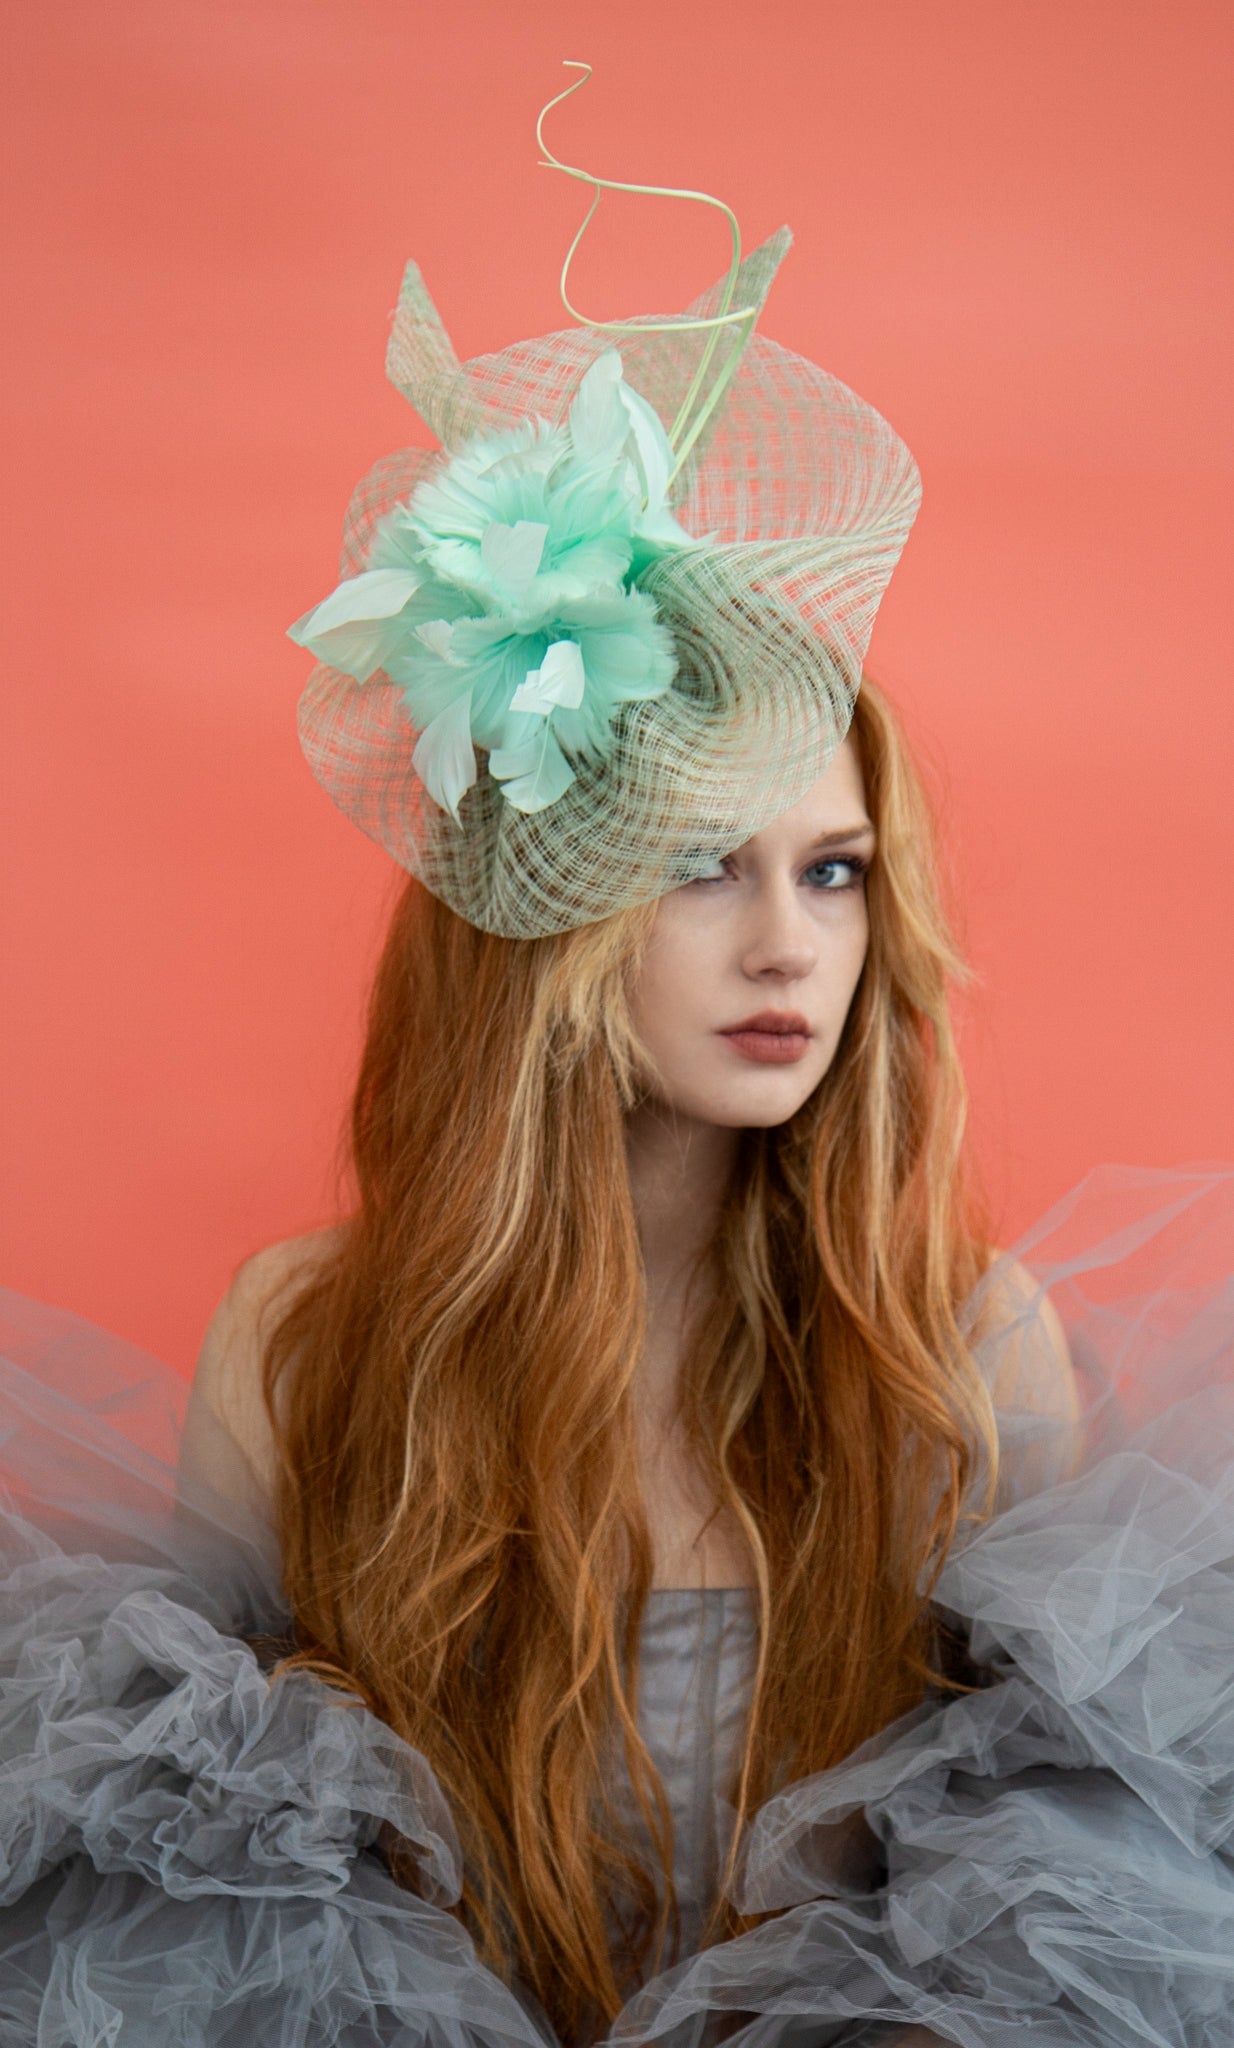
<point x="862" y="831"/>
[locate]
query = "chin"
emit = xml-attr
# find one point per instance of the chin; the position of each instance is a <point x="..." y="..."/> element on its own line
<point x="760" y="1106"/>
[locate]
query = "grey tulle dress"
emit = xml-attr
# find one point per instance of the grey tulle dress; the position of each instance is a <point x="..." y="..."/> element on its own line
<point x="188" y="1853"/>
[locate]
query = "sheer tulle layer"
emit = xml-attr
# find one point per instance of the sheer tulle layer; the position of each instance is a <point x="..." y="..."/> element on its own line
<point x="187" y="1851"/>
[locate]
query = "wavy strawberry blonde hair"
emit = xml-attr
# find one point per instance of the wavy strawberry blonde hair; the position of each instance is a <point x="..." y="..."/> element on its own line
<point x="463" y="1535"/>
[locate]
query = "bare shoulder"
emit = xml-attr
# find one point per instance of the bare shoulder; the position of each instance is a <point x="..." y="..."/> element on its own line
<point x="227" y="1410"/>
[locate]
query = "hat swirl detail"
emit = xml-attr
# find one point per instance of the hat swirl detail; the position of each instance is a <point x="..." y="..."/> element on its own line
<point x="568" y="667"/>
<point x="499" y="598"/>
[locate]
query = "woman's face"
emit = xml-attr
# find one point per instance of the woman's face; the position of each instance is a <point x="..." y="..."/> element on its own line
<point x="774" y="939"/>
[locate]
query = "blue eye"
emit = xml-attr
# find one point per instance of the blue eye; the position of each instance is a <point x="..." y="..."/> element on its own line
<point x="851" y="871"/>
<point x="837" y="874"/>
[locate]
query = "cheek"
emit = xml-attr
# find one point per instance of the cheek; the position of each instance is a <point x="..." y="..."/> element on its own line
<point x="857" y="950"/>
<point x="673" y="983"/>
<point x="840" y="966"/>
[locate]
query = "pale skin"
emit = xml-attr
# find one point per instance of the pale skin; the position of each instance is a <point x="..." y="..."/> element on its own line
<point x="781" y="924"/>
<point x="778" y="925"/>
<point x="781" y="927"/>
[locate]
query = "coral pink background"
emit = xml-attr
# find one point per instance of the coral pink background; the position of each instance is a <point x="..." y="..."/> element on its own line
<point x="1013" y="229"/>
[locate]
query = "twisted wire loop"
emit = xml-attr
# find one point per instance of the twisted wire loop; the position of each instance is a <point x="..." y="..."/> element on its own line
<point x="799" y="498"/>
<point x="695" y="409"/>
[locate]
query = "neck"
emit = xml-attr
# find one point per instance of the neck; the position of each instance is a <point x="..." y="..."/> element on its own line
<point x="679" y="1168"/>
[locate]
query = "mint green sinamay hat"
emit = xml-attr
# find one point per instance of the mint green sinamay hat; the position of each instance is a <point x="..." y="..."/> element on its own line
<point x="578" y="654"/>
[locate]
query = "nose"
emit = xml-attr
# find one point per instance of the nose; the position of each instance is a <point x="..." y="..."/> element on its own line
<point x="781" y="943"/>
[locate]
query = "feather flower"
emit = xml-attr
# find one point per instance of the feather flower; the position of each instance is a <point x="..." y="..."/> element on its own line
<point x="501" y="597"/>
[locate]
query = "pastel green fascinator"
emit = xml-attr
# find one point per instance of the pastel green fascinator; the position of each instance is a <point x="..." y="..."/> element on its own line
<point x="616" y="623"/>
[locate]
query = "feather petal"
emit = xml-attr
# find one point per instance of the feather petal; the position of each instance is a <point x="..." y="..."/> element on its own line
<point x="354" y="628"/>
<point x="597" y="421"/>
<point x="436" y="635"/>
<point x="535" y="774"/>
<point x="513" y="553"/>
<point x="444" y="758"/>
<point x="655" y="455"/>
<point x="560" y="679"/>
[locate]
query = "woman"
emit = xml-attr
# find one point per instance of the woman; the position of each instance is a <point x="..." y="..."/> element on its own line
<point x="695" y="1606"/>
<point x="644" y="1434"/>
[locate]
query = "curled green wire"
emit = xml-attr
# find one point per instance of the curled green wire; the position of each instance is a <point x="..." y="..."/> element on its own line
<point x="695" y="410"/>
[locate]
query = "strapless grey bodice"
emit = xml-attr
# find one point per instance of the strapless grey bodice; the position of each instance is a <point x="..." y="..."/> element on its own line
<point x="698" y="1653"/>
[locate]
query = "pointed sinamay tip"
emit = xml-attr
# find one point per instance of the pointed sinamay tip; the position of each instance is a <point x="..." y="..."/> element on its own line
<point x="696" y="409"/>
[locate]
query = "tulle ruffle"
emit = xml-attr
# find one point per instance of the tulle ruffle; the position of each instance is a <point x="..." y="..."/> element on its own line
<point x="188" y="1853"/>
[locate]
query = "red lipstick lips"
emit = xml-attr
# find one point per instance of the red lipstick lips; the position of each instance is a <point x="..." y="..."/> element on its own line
<point x="775" y="1037"/>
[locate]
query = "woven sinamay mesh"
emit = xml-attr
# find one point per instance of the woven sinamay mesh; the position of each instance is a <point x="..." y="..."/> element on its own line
<point x="802" y="497"/>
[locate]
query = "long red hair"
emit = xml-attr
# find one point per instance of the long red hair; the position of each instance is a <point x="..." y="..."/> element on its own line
<point x="459" y="1503"/>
